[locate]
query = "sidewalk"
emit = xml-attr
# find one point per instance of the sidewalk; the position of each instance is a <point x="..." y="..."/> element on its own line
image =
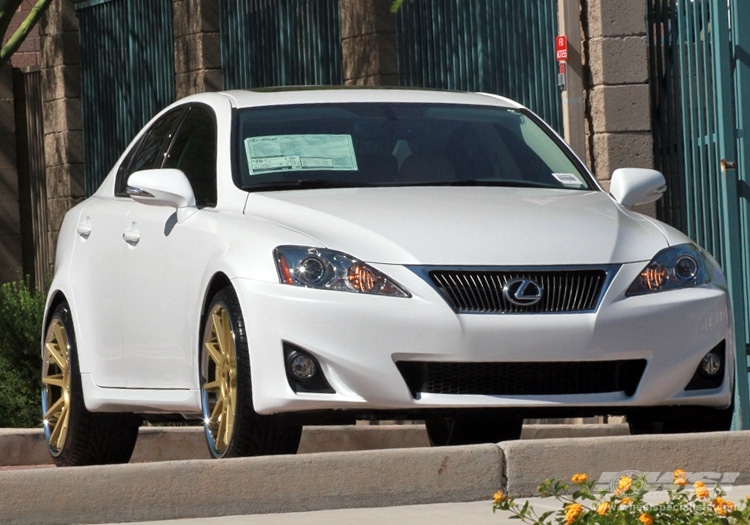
<point x="476" y="513"/>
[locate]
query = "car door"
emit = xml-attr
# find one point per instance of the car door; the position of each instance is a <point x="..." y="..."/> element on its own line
<point x="98" y="259"/>
<point x="163" y="266"/>
<point x="95" y="278"/>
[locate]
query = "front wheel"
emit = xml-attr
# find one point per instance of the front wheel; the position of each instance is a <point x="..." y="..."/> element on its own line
<point x="232" y="427"/>
<point x="458" y="431"/>
<point x="74" y="435"/>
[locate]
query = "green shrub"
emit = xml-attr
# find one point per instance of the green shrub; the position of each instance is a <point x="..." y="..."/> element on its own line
<point x="21" y="314"/>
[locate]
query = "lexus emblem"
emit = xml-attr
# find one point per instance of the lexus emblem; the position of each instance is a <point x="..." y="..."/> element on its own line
<point x="523" y="292"/>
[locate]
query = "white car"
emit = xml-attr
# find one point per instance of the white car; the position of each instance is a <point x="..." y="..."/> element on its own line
<point x="264" y="260"/>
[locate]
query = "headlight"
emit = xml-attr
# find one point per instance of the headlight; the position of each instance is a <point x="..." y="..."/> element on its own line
<point x="682" y="266"/>
<point x="331" y="270"/>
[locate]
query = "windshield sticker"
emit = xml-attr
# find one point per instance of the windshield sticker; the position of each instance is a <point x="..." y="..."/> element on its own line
<point x="567" y="179"/>
<point x="299" y="153"/>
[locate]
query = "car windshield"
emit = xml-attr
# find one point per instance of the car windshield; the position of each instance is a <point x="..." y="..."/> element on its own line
<point x="398" y="144"/>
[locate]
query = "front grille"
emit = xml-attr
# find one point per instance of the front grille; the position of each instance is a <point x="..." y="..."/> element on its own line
<point x="481" y="291"/>
<point x="522" y="379"/>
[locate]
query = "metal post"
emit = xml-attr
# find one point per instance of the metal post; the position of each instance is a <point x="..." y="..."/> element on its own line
<point x="572" y="97"/>
<point x="740" y="10"/>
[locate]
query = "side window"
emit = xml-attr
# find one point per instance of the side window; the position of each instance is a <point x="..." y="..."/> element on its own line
<point x="194" y="152"/>
<point x="149" y="152"/>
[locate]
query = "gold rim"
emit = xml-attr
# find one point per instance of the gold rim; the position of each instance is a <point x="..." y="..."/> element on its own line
<point x="56" y="381"/>
<point x="220" y="387"/>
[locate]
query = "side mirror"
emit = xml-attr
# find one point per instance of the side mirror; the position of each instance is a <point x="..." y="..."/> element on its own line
<point x="633" y="186"/>
<point x="163" y="187"/>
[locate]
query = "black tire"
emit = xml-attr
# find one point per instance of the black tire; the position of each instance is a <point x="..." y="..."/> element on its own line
<point x="232" y="427"/>
<point x="455" y="431"/>
<point x="75" y="436"/>
<point x="680" y="420"/>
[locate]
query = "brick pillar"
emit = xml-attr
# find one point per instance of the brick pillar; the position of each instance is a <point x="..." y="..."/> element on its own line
<point x="616" y="77"/>
<point x="197" y="47"/>
<point x="61" y="98"/>
<point x="10" y="224"/>
<point x="368" y="41"/>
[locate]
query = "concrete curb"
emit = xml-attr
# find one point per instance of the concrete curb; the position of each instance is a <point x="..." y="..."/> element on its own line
<point x="203" y="488"/>
<point x="528" y="463"/>
<point x="317" y="481"/>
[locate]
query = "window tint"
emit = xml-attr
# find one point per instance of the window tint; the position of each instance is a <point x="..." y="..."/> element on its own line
<point x="148" y="154"/>
<point x="194" y="152"/>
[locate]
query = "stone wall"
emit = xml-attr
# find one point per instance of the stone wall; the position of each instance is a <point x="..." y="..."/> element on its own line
<point x="63" y="128"/>
<point x="28" y="53"/>
<point x="368" y="41"/>
<point x="197" y="49"/>
<point x="617" y="96"/>
<point x="10" y="230"/>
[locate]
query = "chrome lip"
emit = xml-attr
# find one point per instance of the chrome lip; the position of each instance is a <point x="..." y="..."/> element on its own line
<point x="610" y="270"/>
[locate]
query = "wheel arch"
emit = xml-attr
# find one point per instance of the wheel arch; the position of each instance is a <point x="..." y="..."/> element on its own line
<point x="219" y="281"/>
<point x="56" y="299"/>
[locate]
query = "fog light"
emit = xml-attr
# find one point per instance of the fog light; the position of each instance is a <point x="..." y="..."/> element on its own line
<point x="303" y="371"/>
<point x="302" y="367"/>
<point x="711" y="364"/>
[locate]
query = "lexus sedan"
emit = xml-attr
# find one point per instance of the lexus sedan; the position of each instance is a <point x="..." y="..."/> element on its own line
<point x="259" y="261"/>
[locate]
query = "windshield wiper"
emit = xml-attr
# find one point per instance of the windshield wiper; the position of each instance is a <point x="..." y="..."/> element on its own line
<point x="306" y="184"/>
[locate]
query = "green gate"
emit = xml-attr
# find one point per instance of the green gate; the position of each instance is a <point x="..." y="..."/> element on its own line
<point x="280" y="43"/>
<point x="127" y="75"/>
<point x="700" y="61"/>
<point x="504" y="47"/>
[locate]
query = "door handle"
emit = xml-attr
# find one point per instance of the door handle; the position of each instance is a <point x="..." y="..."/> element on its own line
<point x="84" y="228"/>
<point x="132" y="235"/>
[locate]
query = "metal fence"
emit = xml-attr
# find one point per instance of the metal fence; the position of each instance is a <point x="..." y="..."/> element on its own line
<point x="280" y="43"/>
<point x="504" y="47"/>
<point x="127" y="75"/>
<point x="701" y="101"/>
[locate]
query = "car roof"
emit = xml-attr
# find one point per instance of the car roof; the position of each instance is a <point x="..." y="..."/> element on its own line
<point x="351" y="94"/>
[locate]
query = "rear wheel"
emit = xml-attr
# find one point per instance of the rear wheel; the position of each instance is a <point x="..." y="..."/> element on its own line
<point x="457" y="431"/>
<point x="680" y="420"/>
<point x="74" y="435"/>
<point x="232" y="427"/>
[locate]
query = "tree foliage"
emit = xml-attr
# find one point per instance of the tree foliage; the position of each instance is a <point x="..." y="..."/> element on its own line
<point x="8" y="9"/>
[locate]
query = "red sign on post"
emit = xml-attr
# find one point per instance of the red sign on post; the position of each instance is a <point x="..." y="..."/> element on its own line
<point x="561" y="47"/>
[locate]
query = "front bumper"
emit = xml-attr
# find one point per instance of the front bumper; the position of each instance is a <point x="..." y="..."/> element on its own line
<point x="358" y="340"/>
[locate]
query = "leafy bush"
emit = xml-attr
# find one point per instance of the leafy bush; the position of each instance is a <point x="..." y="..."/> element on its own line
<point x="626" y="505"/>
<point x="21" y="314"/>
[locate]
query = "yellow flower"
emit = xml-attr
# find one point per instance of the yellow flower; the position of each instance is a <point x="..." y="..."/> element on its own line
<point x="700" y="489"/>
<point x="580" y="478"/>
<point x="646" y="519"/>
<point x="603" y="508"/>
<point x="723" y="506"/>
<point x="624" y="484"/>
<point x="626" y="501"/>
<point x="499" y="496"/>
<point x="680" y="477"/>
<point x="572" y="512"/>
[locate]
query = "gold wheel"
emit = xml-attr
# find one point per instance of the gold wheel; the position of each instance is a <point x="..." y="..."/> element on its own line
<point x="220" y="379"/>
<point x="56" y="378"/>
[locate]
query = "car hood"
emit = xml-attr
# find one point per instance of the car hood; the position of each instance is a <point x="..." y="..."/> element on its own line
<point x="465" y="225"/>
